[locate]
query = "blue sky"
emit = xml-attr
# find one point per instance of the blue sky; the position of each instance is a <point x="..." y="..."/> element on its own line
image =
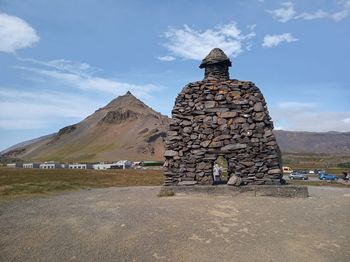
<point x="60" y="60"/>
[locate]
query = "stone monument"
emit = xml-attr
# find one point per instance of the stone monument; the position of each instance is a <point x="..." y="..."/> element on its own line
<point x="219" y="116"/>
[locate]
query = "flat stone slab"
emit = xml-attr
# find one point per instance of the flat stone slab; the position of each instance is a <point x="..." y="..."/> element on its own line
<point x="253" y="190"/>
<point x="187" y="183"/>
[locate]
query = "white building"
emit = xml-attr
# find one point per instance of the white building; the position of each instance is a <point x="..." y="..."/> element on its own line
<point x="13" y="165"/>
<point x="31" y="165"/>
<point x="80" y="166"/>
<point x="50" y="165"/>
<point x="101" y="166"/>
<point x="122" y="164"/>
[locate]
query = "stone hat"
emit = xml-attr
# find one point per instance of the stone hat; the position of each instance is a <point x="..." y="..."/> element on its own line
<point x="215" y="56"/>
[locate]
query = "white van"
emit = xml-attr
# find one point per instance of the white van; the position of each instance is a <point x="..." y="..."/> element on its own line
<point x="287" y="170"/>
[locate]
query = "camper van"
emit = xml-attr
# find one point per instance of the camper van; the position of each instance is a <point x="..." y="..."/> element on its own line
<point x="287" y="170"/>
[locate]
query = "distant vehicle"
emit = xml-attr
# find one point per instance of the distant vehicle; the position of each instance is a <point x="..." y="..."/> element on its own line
<point x="298" y="175"/>
<point x="325" y="176"/>
<point x="319" y="171"/>
<point x="301" y="171"/>
<point x="311" y="171"/>
<point x="287" y="170"/>
<point x="346" y="176"/>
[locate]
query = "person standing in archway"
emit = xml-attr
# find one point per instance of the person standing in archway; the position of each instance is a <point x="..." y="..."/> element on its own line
<point x="216" y="174"/>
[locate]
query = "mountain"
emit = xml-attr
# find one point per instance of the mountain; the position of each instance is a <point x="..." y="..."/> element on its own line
<point x="313" y="142"/>
<point x="125" y="128"/>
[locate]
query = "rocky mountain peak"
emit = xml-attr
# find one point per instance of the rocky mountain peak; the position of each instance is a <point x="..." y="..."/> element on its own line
<point x="127" y="101"/>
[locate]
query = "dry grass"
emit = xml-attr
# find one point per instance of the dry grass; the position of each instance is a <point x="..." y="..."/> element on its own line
<point x="332" y="163"/>
<point x="17" y="181"/>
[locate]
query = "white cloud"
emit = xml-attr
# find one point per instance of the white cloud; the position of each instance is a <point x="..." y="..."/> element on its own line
<point x="15" y="34"/>
<point x="166" y="58"/>
<point x="296" y="116"/>
<point x="45" y="108"/>
<point x="63" y="65"/>
<point x="341" y="14"/>
<point x="274" y="40"/>
<point x="83" y="76"/>
<point x="310" y="16"/>
<point x="287" y="12"/>
<point x="188" y="43"/>
<point x="345" y="12"/>
<point x="27" y="110"/>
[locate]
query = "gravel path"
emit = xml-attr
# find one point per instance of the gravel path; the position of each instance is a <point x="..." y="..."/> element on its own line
<point x="133" y="224"/>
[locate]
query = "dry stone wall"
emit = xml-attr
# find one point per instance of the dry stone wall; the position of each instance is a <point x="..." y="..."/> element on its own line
<point x="221" y="117"/>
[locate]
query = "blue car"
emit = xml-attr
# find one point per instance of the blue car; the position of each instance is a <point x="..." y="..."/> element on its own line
<point x="325" y="176"/>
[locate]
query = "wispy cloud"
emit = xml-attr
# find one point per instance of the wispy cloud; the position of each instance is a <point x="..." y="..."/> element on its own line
<point x="62" y="65"/>
<point x="297" y="116"/>
<point x="274" y="40"/>
<point x="84" y="77"/>
<point x="27" y="110"/>
<point x="287" y="12"/>
<point x="311" y="16"/>
<point x="15" y="34"/>
<point x="345" y="12"/>
<point x="188" y="43"/>
<point x="42" y="108"/>
<point x="166" y="58"/>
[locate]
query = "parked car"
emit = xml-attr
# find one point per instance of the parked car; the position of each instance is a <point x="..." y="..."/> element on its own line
<point x="298" y="175"/>
<point x="346" y="176"/>
<point x="325" y="176"/>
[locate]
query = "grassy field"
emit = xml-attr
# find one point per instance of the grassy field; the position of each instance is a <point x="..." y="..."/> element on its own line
<point x="331" y="163"/>
<point x="18" y="182"/>
<point x="21" y="182"/>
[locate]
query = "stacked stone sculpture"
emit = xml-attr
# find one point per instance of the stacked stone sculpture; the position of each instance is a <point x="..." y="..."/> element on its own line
<point x="221" y="117"/>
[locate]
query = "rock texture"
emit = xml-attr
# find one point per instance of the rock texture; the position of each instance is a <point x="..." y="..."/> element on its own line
<point x="220" y="116"/>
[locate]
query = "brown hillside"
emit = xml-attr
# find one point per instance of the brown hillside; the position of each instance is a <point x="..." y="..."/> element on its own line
<point x="313" y="142"/>
<point x="126" y="128"/>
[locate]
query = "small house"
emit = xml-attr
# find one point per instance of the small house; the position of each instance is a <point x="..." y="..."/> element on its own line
<point x="101" y="166"/>
<point x="13" y="165"/>
<point x="31" y="165"/>
<point x="50" y="165"/>
<point x="79" y="166"/>
<point x="122" y="164"/>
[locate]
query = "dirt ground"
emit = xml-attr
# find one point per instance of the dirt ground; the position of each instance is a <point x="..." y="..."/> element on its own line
<point x="133" y="224"/>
